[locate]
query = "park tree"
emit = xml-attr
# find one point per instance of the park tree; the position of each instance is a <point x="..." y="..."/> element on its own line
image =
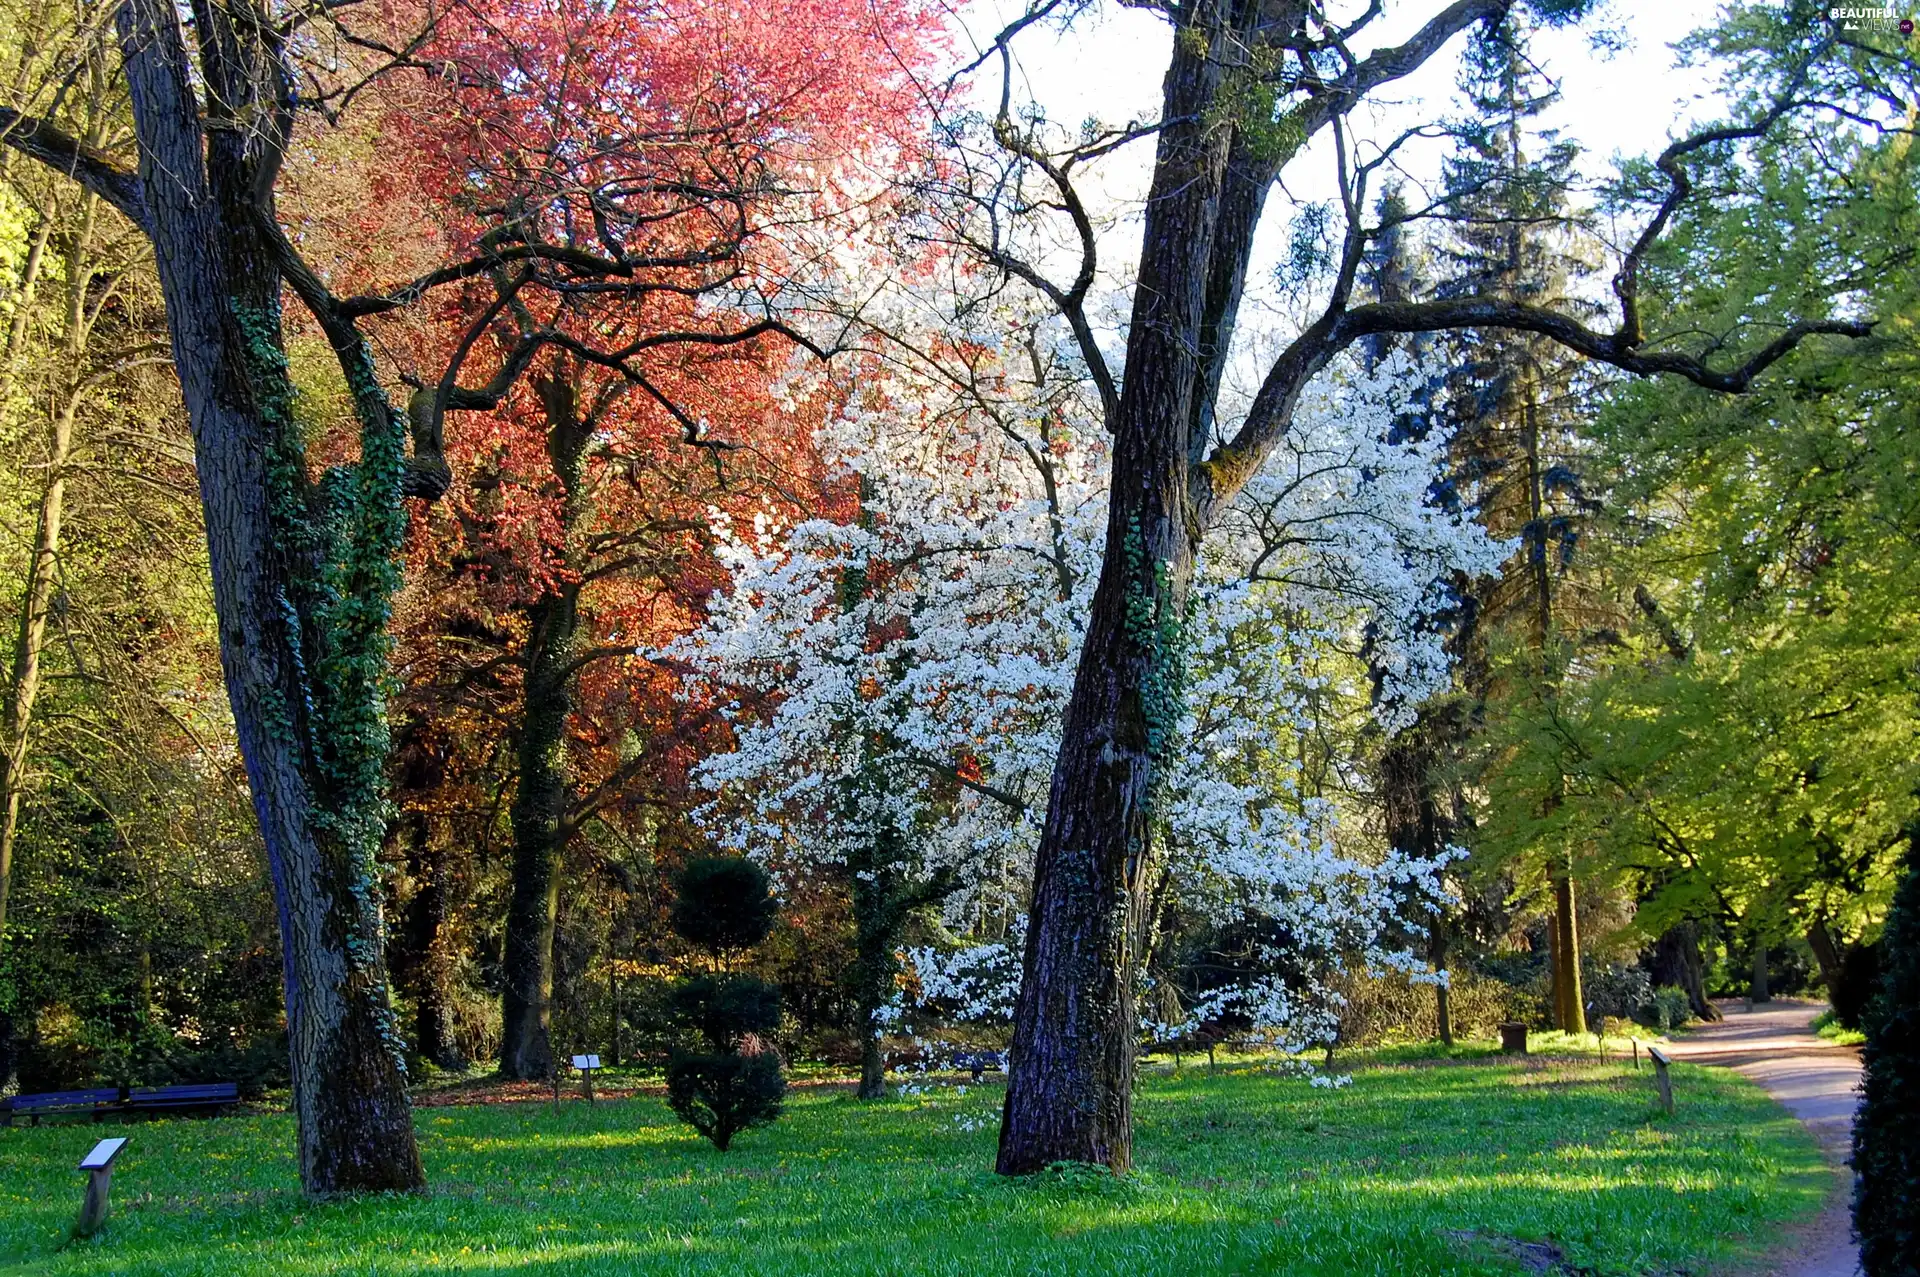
<point x="1718" y="749"/>
<point x="1516" y="399"/>
<point x="894" y="662"/>
<point x="80" y="330"/>
<point x="305" y="564"/>
<point x="752" y="120"/>
<point x="903" y="667"/>
<point x="1248" y="89"/>
<point x="724" y="905"/>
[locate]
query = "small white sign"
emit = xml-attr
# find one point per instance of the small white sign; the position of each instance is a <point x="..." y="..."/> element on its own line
<point x="585" y="1062"/>
<point x="103" y="1154"/>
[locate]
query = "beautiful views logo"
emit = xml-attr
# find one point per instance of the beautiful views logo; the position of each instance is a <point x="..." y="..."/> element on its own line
<point x="1866" y="19"/>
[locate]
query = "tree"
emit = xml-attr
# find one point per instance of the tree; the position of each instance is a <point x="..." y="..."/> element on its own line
<point x="901" y="670"/>
<point x="1516" y="397"/>
<point x="897" y="665"/>
<point x="725" y="905"/>
<point x="744" y="121"/>
<point x="1738" y="742"/>
<point x="53" y="369"/>
<point x="304" y="566"/>
<point x="1246" y="88"/>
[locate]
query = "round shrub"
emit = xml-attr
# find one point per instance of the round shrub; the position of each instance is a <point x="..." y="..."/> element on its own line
<point x="723" y="903"/>
<point x="725" y="1008"/>
<point x="721" y="1095"/>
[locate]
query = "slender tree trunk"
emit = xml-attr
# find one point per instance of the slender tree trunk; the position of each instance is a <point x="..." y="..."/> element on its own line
<point x="23" y="685"/>
<point x="23" y="298"/>
<point x="1757" y="990"/>
<point x="538" y="815"/>
<point x="1566" y="977"/>
<point x="1442" y="994"/>
<point x="539" y="810"/>
<point x="420" y="959"/>
<point x="1826" y="955"/>
<point x="221" y="283"/>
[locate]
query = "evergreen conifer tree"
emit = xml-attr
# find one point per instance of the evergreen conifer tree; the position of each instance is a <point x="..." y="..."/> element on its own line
<point x="1513" y="398"/>
<point x="725" y="905"/>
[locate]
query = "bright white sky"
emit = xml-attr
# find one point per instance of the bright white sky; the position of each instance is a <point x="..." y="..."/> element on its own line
<point x="1109" y="67"/>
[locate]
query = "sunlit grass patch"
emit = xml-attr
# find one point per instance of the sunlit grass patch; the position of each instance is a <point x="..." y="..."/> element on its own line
<point x="1240" y="1171"/>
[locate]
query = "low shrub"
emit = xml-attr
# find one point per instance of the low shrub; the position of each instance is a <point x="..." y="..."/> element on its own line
<point x="1667" y="1009"/>
<point x="1614" y="990"/>
<point x="720" y="1095"/>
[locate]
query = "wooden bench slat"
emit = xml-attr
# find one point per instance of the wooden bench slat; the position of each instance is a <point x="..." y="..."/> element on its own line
<point x="65" y="1099"/>
<point x="195" y="1091"/>
<point x="105" y="1101"/>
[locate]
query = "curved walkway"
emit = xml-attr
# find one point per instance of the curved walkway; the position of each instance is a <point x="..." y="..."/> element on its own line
<point x="1814" y="1080"/>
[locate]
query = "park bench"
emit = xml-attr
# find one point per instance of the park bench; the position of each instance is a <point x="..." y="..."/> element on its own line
<point x="117" y="1101"/>
<point x="97" y="1102"/>
<point x="207" y="1097"/>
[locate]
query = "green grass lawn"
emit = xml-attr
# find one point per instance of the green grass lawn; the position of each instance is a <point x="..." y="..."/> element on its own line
<point x="1417" y="1168"/>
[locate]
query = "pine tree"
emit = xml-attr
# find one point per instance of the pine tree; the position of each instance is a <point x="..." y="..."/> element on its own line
<point x="1513" y="397"/>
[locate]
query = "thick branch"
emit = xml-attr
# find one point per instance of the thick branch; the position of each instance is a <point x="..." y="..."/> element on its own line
<point x="58" y="150"/>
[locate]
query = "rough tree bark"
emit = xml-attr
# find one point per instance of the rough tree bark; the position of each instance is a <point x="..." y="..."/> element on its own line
<point x="1676" y="961"/>
<point x="1420" y="827"/>
<point x="303" y="684"/>
<point x="421" y="960"/>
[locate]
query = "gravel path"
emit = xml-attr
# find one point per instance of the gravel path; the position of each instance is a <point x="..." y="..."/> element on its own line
<point x="1814" y="1080"/>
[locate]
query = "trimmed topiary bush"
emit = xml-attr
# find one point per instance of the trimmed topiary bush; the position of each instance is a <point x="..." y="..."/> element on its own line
<point x="723" y="1094"/>
<point x="723" y="903"/>
<point x="1886" y="1154"/>
<point x="723" y="1009"/>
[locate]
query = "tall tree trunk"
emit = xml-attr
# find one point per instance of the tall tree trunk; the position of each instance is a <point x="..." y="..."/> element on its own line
<point x="538" y="815"/>
<point x="1070" y="1095"/>
<point x="1826" y="955"/>
<point x="1677" y="962"/>
<point x="1419" y="827"/>
<point x="1757" y="989"/>
<point x="877" y="919"/>
<point x="304" y="694"/>
<point x="542" y="792"/>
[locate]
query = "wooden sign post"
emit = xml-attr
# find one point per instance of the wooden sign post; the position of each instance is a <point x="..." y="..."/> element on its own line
<point x="99" y="1167"/>
<point x="1660" y="1076"/>
<point x="587" y="1064"/>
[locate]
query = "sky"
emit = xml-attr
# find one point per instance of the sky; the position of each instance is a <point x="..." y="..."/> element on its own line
<point x="1108" y="67"/>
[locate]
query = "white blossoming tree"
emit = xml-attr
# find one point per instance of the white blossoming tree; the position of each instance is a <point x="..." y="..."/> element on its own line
<point x="913" y="659"/>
